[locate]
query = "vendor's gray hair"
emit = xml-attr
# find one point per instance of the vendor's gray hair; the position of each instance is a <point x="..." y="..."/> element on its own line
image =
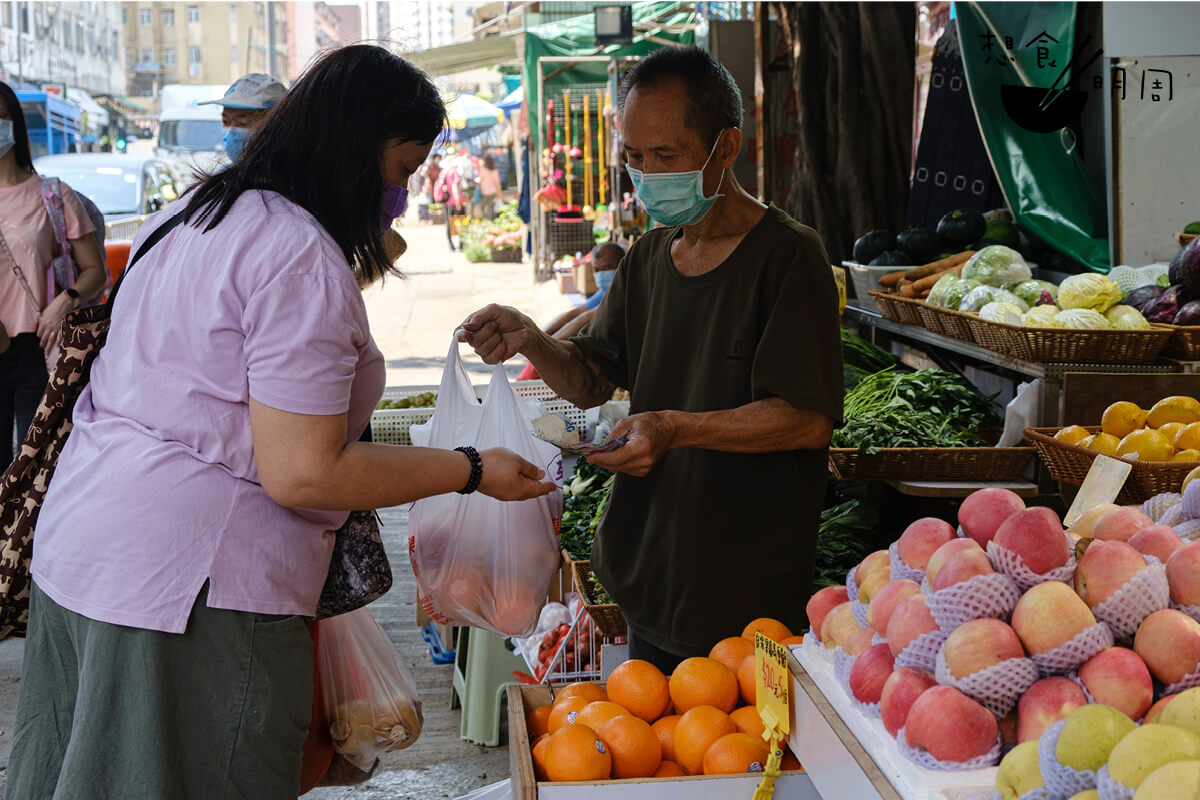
<point x="714" y="100"/>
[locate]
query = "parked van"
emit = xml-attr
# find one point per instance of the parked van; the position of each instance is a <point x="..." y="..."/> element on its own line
<point x="189" y="135"/>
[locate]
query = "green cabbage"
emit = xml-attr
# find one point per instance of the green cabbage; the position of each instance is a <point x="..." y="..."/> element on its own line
<point x="939" y="294"/>
<point x="1040" y="317"/>
<point x="1031" y="291"/>
<point x="1001" y="312"/>
<point x="1089" y="290"/>
<point x="1126" y="318"/>
<point x="1152" y="275"/>
<point x="980" y="296"/>
<point x="1081" y="318"/>
<point x="997" y="265"/>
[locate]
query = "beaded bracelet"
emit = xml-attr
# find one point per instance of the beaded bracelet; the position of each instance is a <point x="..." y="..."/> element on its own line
<point x="476" y="469"/>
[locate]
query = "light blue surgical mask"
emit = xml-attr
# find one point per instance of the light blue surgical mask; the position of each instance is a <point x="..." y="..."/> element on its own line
<point x="7" y="139"/>
<point x="604" y="279"/>
<point x="234" y="141"/>
<point x="675" y="198"/>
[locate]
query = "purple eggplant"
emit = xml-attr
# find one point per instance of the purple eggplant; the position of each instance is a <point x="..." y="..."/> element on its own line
<point x="1167" y="305"/>
<point x="1189" y="314"/>
<point x="1143" y="296"/>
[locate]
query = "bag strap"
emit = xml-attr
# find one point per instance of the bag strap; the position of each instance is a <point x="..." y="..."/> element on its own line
<point x="16" y="268"/>
<point x="159" y="234"/>
<point x="52" y="200"/>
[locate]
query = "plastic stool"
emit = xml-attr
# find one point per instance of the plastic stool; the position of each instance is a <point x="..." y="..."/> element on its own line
<point x="483" y="666"/>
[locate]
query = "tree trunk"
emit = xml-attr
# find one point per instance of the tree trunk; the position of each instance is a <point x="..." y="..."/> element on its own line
<point x="852" y="65"/>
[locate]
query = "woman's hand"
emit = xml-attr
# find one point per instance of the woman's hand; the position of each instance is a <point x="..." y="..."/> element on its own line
<point x="49" y="326"/>
<point x="507" y="476"/>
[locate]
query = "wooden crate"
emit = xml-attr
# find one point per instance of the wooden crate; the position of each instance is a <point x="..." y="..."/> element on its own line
<point x="522" y="699"/>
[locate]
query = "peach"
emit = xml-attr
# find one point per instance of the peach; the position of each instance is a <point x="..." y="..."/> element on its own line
<point x="1183" y="574"/>
<point x="1169" y="642"/>
<point x="870" y="672"/>
<point x="1087" y="521"/>
<point x="821" y="603"/>
<point x="984" y="511"/>
<point x="943" y="553"/>
<point x="1045" y="703"/>
<point x="900" y="691"/>
<point x="1036" y="535"/>
<point x="1120" y="523"/>
<point x="979" y="644"/>
<point x="839" y="625"/>
<point x="885" y="601"/>
<point x="1159" y="541"/>
<point x="1119" y="678"/>
<point x="1106" y="566"/>
<point x="1156" y="710"/>
<point x="949" y="725"/>
<point x="858" y="641"/>
<point x="872" y="562"/>
<point x="910" y="619"/>
<point x="1048" y="615"/>
<point x="921" y="539"/>
<point x="873" y="583"/>
<point x="961" y="567"/>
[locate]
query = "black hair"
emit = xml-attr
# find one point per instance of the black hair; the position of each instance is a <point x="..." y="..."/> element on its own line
<point x="489" y="162"/>
<point x="320" y="145"/>
<point x="611" y="248"/>
<point x="21" y="149"/>
<point x="714" y="100"/>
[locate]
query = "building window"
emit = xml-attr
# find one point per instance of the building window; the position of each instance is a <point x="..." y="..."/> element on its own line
<point x="116" y="43"/>
<point x="233" y="54"/>
<point x="233" y="16"/>
<point x="124" y="16"/>
<point x="144" y="17"/>
<point x="193" y="13"/>
<point x="193" y="55"/>
<point x="168" y="17"/>
<point x="79" y="36"/>
<point x="66" y="32"/>
<point x="168" y="58"/>
<point x="6" y="15"/>
<point x="146" y="55"/>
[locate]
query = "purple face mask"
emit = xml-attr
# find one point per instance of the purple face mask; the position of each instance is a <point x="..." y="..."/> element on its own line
<point x="395" y="200"/>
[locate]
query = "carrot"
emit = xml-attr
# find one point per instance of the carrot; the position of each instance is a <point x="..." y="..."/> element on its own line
<point x="892" y="278"/>
<point x="939" y="266"/>
<point x="916" y="288"/>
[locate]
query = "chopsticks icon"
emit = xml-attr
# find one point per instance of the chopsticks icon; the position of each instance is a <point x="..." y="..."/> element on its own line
<point x="1054" y="91"/>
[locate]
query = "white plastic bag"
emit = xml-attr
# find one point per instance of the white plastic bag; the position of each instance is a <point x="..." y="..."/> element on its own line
<point x="481" y="561"/>
<point x="369" y="697"/>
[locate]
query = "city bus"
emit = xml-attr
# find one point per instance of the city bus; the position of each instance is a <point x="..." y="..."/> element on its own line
<point x="53" y="122"/>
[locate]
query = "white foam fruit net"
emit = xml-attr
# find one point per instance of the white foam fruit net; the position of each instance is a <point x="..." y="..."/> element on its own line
<point x="1012" y="565"/>
<point x="1190" y="505"/>
<point x="922" y="651"/>
<point x="994" y="595"/>
<point x="1061" y="780"/>
<point x="860" y="613"/>
<point x="1188" y="529"/>
<point x="1109" y="788"/>
<point x="1156" y="507"/>
<point x="842" y="662"/>
<point x="869" y="709"/>
<point x="1143" y="594"/>
<point x="1074" y="677"/>
<point x="997" y="688"/>
<point x="900" y="570"/>
<point x="815" y="646"/>
<point x="1070" y="655"/>
<point x="1189" y="681"/>
<point x="922" y="758"/>
<point x="1191" y="611"/>
<point x="851" y="584"/>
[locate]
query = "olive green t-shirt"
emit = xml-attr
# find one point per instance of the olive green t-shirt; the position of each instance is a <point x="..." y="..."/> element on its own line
<point x="709" y="540"/>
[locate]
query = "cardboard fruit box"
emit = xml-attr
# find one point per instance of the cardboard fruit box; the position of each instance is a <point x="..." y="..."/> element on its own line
<point x="522" y="699"/>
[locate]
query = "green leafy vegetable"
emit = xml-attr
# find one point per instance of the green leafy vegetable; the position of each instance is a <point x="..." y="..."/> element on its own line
<point x="844" y="537"/>
<point x="599" y="594"/>
<point x="861" y="354"/>
<point x="585" y="497"/>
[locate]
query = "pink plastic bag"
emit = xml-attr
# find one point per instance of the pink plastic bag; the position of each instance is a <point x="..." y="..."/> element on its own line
<point x="369" y="697"/>
<point x="480" y="561"/>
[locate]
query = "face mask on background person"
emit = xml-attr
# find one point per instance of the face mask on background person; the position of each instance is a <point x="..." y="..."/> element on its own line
<point x="395" y="201"/>
<point x="604" y="279"/>
<point x="7" y="139"/>
<point x="675" y="198"/>
<point x="234" y="141"/>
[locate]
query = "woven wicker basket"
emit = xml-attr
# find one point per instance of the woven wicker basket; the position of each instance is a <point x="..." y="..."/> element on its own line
<point x="610" y="622"/>
<point x="930" y="463"/>
<point x="1070" y="463"/>
<point x="947" y="322"/>
<point x="1070" y="345"/>
<point x="902" y="309"/>
<point x="1185" y="344"/>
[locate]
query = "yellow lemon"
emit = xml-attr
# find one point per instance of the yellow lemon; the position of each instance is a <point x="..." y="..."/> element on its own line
<point x="1102" y="442"/>
<point x="1187" y="455"/>
<point x="1188" y="437"/>
<point x="1189" y="478"/>
<point x="1073" y="434"/>
<point x="1123" y="418"/>
<point x="1171" y="430"/>
<point x="1148" y="445"/>
<point x="1178" y="408"/>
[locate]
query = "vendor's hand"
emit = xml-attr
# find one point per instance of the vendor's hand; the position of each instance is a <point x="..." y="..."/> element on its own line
<point x="648" y="435"/>
<point x="496" y="333"/>
<point x="507" y="476"/>
<point x="49" y="326"/>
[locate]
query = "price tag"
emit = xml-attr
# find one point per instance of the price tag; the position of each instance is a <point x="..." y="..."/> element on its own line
<point x="1102" y="485"/>
<point x="839" y="278"/>
<point x="771" y="692"/>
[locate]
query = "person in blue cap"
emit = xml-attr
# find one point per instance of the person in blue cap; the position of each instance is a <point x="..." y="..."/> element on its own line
<point x="245" y="106"/>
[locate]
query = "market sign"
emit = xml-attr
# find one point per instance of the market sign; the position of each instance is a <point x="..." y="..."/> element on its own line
<point x="771" y="681"/>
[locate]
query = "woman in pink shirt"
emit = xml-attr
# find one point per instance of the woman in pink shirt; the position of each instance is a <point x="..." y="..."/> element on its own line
<point x="187" y="531"/>
<point x="489" y="187"/>
<point x="30" y="321"/>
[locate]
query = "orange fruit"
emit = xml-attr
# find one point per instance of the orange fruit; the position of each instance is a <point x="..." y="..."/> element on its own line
<point x="669" y="769"/>
<point x="1123" y="418"/>
<point x="746" y="683"/>
<point x="1073" y="434"/>
<point x="664" y="729"/>
<point x="589" y="691"/>
<point x="701" y="681"/>
<point x="640" y="687"/>
<point x="731" y="651"/>
<point x="734" y="753"/>
<point x="1188" y="437"/>
<point x="595" y="715"/>
<point x="564" y="712"/>
<point x="790" y="762"/>
<point x="634" y="747"/>
<point x="575" y="753"/>
<point x="539" y="756"/>
<point x="748" y="721"/>
<point x="696" y="731"/>
<point x="1148" y="444"/>
<point x="537" y="721"/>
<point x="791" y="640"/>
<point x="773" y="629"/>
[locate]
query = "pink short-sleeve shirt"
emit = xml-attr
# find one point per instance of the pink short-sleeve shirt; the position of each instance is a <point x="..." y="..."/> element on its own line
<point x="156" y="490"/>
